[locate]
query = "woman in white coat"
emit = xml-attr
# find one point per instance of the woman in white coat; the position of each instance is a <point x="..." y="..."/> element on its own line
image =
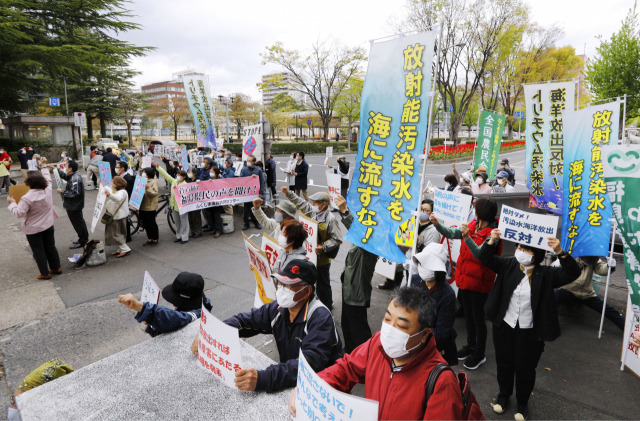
<point x="117" y="204"/>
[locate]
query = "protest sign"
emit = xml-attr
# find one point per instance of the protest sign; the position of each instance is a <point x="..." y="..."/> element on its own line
<point x="311" y="227"/>
<point x="171" y="153"/>
<point x="17" y="191"/>
<point x="184" y="158"/>
<point x="527" y="228"/>
<point x="63" y="165"/>
<point x="252" y="142"/>
<point x="489" y="141"/>
<point x="56" y="175"/>
<point x="586" y="210"/>
<point x="158" y="150"/>
<point x="393" y="117"/>
<point x="199" y="99"/>
<point x="385" y="268"/>
<point x="451" y="209"/>
<point x="219" y="349"/>
<point x="630" y="353"/>
<point x="99" y="208"/>
<point x="334" y="186"/>
<point x="146" y="161"/>
<point x="265" y="290"/>
<point x="404" y="234"/>
<point x="219" y="192"/>
<point x="105" y="173"/>
<point x="271" y="248"/>
<point x="544" y="146"/>
<point x="32" y="164"/>
<point x="138" y="192"/>
<point x="316" y="400"/>
<point x="328" y="154"/>
<point x="150" y="290"/>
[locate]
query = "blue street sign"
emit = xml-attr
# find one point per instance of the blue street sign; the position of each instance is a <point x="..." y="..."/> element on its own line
<point x="309" y="122"/>
<point x="518" y="115"/>
<point x="450" y="107"/>
<point x="54" y="102"/>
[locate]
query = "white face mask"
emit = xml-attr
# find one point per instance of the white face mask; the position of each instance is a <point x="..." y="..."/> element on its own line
<point x="315" y="208"/>
<point x="282" y="241"/>
<point x="462" y="180"/>
<point x="278" y="217"/>
<point x="180" y="178"/>
<point x="394" y="341"/>
<point x="212" y="175"/>
<point x="144" y="176"/>
<point x="502" y="181"/>
<point x="424" y="217"/>
<point x="190" y="175"/>
<point x="284" y="297"/>
<point x="479" y="180"/>
<point x="525" y="259"/>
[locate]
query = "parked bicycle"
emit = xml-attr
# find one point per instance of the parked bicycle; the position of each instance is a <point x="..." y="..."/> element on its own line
<point x="163" y="205"/>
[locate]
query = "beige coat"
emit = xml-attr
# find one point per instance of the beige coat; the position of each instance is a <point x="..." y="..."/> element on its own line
<point x="150" y="198"/>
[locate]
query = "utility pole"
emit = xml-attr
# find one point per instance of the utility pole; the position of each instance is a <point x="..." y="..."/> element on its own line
<point x="220" y="97"/>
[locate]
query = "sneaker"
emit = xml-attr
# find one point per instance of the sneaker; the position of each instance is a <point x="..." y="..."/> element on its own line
<point x="76" y="245"/>
<point x="522" y="413"/>
<point x="501" y="404"/>
<point x="474" y="362"/>
<point x="464" y="352"/>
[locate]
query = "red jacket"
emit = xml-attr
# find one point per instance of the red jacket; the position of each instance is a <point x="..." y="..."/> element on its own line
<point x="470" y="273"/>
<point x="5" y="156"/>
<point x="401" y="394"/>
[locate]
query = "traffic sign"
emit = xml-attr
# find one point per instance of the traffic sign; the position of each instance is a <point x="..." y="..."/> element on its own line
<point x="309" y="122"/>
<point x="80" y="120"/>
<point x="450" y="107"/>
<point x="518" y="115"/>
<point x="54" y="102"/>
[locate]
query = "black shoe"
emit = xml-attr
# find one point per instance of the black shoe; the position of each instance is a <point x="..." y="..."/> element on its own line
<point x="388" y="284"/>
<point x="464" y="352"/>
<point x="474" y="362"/>
<point x="501" y="404"/>
<point x="522" y="413"/>
<point x="76" y="246"/>
<point x="208" y="229"/>
<point x="246" y="227"/>
<point x="128" y="240"/>
<point x="177" y="240"/>
<point x="258" y="226"/>
<point x="184" y="242"/>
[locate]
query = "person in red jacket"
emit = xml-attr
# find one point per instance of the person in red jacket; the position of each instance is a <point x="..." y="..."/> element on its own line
<point x="473" y="279"/>
<point x="395" y="363"/>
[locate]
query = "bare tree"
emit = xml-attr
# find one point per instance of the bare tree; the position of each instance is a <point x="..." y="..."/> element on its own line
<point x="130" y="106"/>
<point x="174" y="109"/>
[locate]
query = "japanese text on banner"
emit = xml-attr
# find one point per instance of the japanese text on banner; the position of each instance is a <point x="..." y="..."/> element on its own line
<point x="138" y="192"/>
<point x="527" y="228"/>
<point x="219" y="192"/>
<point x="489" y="141"/>
<point x="265" y="290"/>
<point x="452" y="209"/>
<point x="150" y="290"/>
<point x="219" y="349"/>
<point x="198" y="97"/>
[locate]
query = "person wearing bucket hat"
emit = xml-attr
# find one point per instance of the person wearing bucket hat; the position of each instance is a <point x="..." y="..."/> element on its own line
<point x="432" y="272"/>
<point x="502" y="183"/>
<point x="298" y="322"/>
<point x="186" y="293"/>
<point x="464" y="179"/>
<point x="284" y="211"/>
<point x="480" y="186"/>
<point x="329" y="237"/>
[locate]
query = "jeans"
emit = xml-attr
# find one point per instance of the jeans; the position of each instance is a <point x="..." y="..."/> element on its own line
<point x="473" y="303"/>
<point x="563" y="296"/>
<point x="43" y="247"/>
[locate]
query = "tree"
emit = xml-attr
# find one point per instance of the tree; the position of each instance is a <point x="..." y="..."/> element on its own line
<point x="321" y="75"/>
<point x="348" y="104"/>
<point x="175" y="110"/>
<point x="242" y="111"/>
<point x="280" y="110"/>
<point x="130" y="105"/>
<point x="614" y="71"/>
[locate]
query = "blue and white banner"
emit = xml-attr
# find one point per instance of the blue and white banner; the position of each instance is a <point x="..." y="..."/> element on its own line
<point x="184" y="158"/>
<point x="199" y="98"/>
<point x="586" y="229"/>
<point x="394" y="115"/>
<point x="138" y="192"/>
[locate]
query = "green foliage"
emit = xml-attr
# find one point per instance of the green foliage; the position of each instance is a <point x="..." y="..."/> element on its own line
<point x="19" y="143"/>
<point x="279" y="148"/>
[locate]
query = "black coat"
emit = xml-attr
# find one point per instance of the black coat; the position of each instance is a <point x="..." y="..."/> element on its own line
<point x="111" y="159"/>
<point x="544" y="279"/>
<point x="130" y="179"/>
<point x="302" y="168"/>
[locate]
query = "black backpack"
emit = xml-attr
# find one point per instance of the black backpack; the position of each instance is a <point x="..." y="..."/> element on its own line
<point x="471" y="409"/>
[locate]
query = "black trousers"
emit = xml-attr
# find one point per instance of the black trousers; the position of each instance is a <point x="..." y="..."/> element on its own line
<point x="323" y="287"/>
<point x="248" y="215"/>
<point x="77" y="221"/>
<point x="148" y="219"/>
<point x="473" y="303"/>
<point x="344" y="187"/>
<point x="43" y="247"/>
<point x="195" y="223"/>
<point x="517" y="355"/>
<point x="216" y="216"/>
<point x="355" y="327"/>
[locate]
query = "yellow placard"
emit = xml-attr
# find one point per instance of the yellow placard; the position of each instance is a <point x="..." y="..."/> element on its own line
<point x="404" y="234"/>
<point x="18" y="191"/>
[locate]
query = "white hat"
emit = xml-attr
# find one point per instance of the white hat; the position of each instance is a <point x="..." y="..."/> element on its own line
<point x="432" y="258"/>
<point x="466" y="176"/>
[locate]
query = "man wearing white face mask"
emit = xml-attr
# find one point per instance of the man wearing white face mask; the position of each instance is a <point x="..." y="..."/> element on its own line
<point x="502" y="185"/>
<point x="480" y="186"/>
<point x="395" y="364"/>
<point x="285" y="211"/>
<point x="298" y="322"/>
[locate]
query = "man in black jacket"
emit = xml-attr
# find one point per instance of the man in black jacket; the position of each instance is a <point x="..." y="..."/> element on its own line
<point x="73" y="202"/>
<point x="111" y="159"/>
<point x="270" y="170"/>
<point x="121" y="169"/>
<point x="301" y="171"/>
<point x="343" y="167"/>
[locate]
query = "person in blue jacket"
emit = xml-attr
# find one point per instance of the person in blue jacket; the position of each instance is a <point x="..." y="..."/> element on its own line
<point x="229" y="171"/>
<point x="186" y="293"/>
<point x="298" y="321"/>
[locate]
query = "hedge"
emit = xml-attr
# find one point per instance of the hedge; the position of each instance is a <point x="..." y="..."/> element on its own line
<point x="281" y="148"/>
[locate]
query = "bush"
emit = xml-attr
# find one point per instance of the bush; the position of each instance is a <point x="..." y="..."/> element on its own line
<point x="45" y="148"/>
<point x="280" y="148"/>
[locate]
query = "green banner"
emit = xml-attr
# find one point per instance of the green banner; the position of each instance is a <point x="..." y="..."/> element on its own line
<point x="621" y="165"/>
<point x="489" y="141"/>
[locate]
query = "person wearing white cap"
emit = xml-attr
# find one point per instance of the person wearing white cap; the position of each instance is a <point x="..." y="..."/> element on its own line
<point x="284" y="211"/>
<point x="464" y="178"/>
<point x="502" y="183"/>
<point x="432" y="271"/>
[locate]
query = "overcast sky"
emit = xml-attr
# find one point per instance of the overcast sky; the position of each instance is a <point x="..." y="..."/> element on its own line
<point x="225" y="39"/>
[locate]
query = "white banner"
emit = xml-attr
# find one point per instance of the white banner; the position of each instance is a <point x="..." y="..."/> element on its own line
<point x="158" y="150"/>
<point x="385" y="268"/>
<point x="146" y="161"/>
<point x="334" y="186"/>
<point x="311" y="227"/>
<point x="150" y="290"/>
<point x="33" y="164"/>
<point x="451" y="209"/>
<point x="265" y="290"/>
<point x="58" y="179"/>
<point x="99" y="208"/>
<point x="531" y="229"/>
<point x="219" y="349"/>
<point x="632" y="354"/>
<point x="252" y="142"/>
<point x="271" y="248"/>
<point x="328" y="154"/>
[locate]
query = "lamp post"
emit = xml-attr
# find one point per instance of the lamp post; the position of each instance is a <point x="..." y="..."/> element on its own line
<point x="220" y="97"/>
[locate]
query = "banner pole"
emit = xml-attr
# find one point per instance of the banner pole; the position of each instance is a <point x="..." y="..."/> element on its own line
<point x="416" y="225"/>
<point x="624" y="116"/>
<point x="475" y="144"/>
<point x="614" y="226"/>
<point x="578" y="92"/>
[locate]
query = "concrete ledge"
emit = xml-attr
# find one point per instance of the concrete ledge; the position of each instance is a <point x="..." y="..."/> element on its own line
<point x="156" y="379"/>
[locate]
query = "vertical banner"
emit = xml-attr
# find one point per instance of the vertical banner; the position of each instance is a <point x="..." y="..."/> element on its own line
<point x="328" y="154"/>
<point x="158" y="150"/>
<point x="146" y="161"/>
<point x="489" y="141"/>
<point x="32" y="164"/>
<point x="137" y="193"/>
<point x="99" y="208"/>
<point x="586" y="210"/>
<point x="334" y="184"/>
<point x="105" y="173"/>
<point x="252" y="142"/>
<point x="184" y="158"/>
<point x="265" y="290"/>
<point x="311" y="243"/>
<point x="150" y="290"/>
<point x="544" y="162"/>
<point x="199" y="99"/>
<point x="219" y="349"/>
<point x="58" y="179"/>
<point x="394" y="114"/>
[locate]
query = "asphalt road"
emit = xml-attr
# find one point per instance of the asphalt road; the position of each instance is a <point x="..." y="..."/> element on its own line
<point x="75" y="316"/>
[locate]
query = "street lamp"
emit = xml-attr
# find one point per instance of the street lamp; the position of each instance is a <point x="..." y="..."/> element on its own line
<point x="220" y="97"/>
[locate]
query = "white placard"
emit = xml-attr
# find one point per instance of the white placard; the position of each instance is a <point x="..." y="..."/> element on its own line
<point x="385" y="268"/>
<point x="33" y="164"/>
<point x="334" y="185"/>
<point x="99" y="208"/>
<point x="219" y="348"/>
<point x="271" y="248"/>
<point x="158" y="150"/>
<point x="451" y="209"/>
<point x="150" y="290"/>
<point x="311" y="243"/>
<point x="146" y="161"/>
<point x="265" y="290"/>
<point x="328" y="154"/>
<point x="527" y="228"/>
<point x="312" y="391"/>
<point x="56" y="175"/>
<point x="80" y="120"/>
<point x="632" y="355"/>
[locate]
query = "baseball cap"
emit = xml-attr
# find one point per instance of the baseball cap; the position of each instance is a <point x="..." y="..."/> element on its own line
<point x="504" y="161"/>
<point x="502" y="174"/>
<point x="288" y="208"/>
<point x="186" y="292"/>
<point x="297" y="271"/>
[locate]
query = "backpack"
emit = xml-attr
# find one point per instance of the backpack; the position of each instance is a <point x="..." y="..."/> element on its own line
<point x="471" y="409"/>
<point x="93" y="254"/>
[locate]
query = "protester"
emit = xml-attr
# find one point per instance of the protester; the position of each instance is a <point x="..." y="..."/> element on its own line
<point x="47" y="372"/>
<point x="473" y="279"/>
<point x="24" y="156"/>
<point x="186" y="294"/>
<point x="301" y="172"/>
<point x="117" y="205"/>
<point x="93" y="169"/>
<point x="37" y="214"/>
<point x="285" y="211"/>
<point x="394" y="365"/>
<point x="171" y="168"/>
<point x="64" y="157"/>
<point x="504" y="166"/>
<point x="502" y="184"/>
<point x="581" y="290"/>
<point x="522" y="309"/>
<point x="181" y="221"/>
<point x="298" y="322"/>
<point x="215" y="212"/>
<point x="270" y="170"/>
<point x="195" y="216"/>
<point x="291" y="166"/>
<point x="73" y="201"/>
<point x="5" y="166"/>
<point x="250" y="171"/>
<point x="329" y="237"/>
<point x="292" y="241"/>
<point x="464" y="178"/>
<point x="343" y="170"/>
<point x="480" y="185"/>
<point x="451" y="183"/>
<point x="149" y="207"/>
<point x="122" y="168"/>
<point x="111" y="158"/>
<point x="229" y="170"/>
